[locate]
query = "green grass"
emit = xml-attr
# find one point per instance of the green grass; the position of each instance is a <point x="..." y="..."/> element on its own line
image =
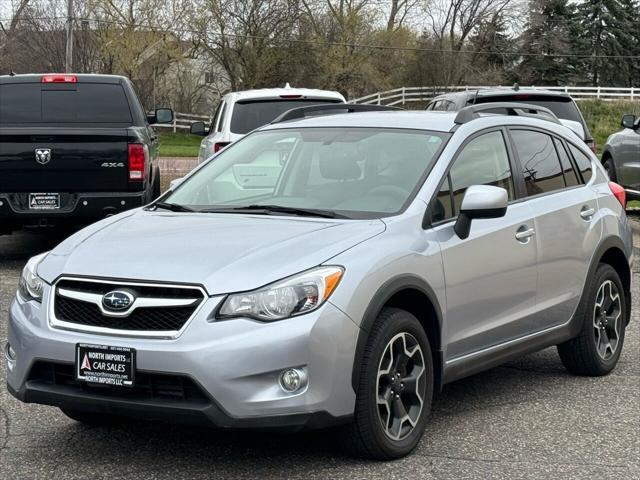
<point x="179" y="144"/>
<point x="603" y="118"/>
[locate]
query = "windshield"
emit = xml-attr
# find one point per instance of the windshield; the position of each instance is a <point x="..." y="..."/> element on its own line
<point x="350" y="172"/>
<point x="249" y="115"/>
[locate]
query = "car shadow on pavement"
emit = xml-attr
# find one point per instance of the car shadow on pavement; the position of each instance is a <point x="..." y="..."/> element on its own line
<point x="155" y="443"/>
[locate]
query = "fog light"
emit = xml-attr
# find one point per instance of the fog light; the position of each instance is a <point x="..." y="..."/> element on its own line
<point x="293" y="379"/>
<point x="11" y="353"/>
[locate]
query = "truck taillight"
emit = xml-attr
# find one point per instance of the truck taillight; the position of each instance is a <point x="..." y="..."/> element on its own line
<point x="219" y="146"/>
<point x="619" y="193"/>
<point x="137" y="162"/>
<point x="59" y="78"/>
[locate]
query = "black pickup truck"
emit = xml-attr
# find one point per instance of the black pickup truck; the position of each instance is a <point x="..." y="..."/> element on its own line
<point x="74" y="149"/>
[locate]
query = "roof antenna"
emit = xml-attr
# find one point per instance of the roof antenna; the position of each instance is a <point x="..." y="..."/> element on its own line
<point x="516" y="87"/>
<point x="475" y="96"/>
<point x="286" y="85"/>
<point x="12" y="73"/>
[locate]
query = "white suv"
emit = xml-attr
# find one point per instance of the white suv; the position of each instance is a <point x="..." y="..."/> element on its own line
<point x="241" y="112"/>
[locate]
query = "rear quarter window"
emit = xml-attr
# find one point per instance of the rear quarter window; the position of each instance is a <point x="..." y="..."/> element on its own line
<point x="82" y="103"/>
<point x="582" y="161"/>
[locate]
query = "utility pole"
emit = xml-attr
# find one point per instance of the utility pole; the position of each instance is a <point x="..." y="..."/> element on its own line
<point x="69" y="53"/>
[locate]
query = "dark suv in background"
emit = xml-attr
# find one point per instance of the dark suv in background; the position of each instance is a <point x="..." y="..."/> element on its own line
<point x="74" y="149"/>
<point x="561" y="104"/>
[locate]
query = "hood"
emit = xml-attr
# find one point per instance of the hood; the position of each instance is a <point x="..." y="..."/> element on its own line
<point x="223" y="252"/>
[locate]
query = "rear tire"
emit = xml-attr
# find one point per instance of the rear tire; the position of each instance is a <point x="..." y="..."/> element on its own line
<point x="596" y="350"/>
<point x="91" y="418"/>
<point x="395" y="389"/>
<point x="611" y="169"/>
<point x="156" y="187"/>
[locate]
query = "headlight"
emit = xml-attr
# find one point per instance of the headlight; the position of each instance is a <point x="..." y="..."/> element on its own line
<point x="292" y="296"/>
<point x="30" y="286"/>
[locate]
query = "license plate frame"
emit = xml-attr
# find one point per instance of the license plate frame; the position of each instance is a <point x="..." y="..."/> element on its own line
<point x="44" y="201"/>
<point x="105" y="365"/>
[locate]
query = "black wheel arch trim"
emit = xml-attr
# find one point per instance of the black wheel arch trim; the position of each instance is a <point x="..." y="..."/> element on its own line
<point x="605" y="245"/>
<point x="377" y="303"/>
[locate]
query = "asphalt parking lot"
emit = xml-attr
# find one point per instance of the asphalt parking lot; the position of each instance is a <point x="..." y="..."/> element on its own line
<point x="526" y="419"/>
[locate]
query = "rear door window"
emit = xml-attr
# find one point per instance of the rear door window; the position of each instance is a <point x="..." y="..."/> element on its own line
<point x="84" y="102"/>
<point x="539" y="160"/>
<point x="249" y="115"/>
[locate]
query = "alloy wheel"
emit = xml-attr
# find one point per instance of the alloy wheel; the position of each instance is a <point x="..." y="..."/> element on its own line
<point x="401" y="386"/>
<point x="607" y="319"/>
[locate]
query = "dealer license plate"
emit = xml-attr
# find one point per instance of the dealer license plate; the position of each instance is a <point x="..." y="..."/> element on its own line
<point x="106" y="365"/>
<point x="44" y="201"/>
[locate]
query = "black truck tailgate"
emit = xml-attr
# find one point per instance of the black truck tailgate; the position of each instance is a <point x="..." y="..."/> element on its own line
<point x="54" y="159"/>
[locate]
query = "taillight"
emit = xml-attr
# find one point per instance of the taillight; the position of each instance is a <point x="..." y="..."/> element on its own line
<point x="592" y="145"/>
<point x="219" y="146"/>
<point x="58" y="78"/>
<point x="290" y="97"/>
<point x="619" y="193"/>
<point x="137" y="162"/>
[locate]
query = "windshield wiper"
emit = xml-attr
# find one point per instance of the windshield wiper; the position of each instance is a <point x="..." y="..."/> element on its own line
<point x="267" y="209"/>
<point x="174" y="207"/>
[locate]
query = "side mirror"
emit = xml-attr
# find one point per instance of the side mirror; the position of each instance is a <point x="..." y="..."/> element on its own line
<point x="175" y="182"/>
<point x="480" y="201"/>
<point x="628" y="121"/>
<point x="160" y="115"/>
<point x="197" y="128"/>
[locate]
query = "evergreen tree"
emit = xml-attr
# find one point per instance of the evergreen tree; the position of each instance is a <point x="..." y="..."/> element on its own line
<point x="492" y="47"/>
<point x="549" y="36"/>
<point x="608" y="28"/>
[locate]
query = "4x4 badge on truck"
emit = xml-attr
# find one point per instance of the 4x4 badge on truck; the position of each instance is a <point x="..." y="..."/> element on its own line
<point x="43" y="155"/>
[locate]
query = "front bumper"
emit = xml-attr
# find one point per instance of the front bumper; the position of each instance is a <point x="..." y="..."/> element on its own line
<point x="236" y="364"/>
<point x="75" y="208"/>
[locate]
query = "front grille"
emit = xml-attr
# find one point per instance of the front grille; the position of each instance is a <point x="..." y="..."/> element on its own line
<point x="83" y="313"/>
<point x="87" y="312"/>
<point x="148" y="386"/>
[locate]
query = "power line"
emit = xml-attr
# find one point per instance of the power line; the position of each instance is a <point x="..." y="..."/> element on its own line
<point x="157" y="28"/>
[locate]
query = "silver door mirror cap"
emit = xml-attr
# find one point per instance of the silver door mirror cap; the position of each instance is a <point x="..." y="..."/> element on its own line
<point x="480" y="201"/>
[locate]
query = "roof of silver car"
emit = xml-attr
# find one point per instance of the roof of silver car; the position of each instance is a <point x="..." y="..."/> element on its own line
<point x="435" y="121"/>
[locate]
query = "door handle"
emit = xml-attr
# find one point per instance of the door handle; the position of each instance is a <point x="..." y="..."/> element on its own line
<point x="587" y="213"/>
<point x="524" y="233"/>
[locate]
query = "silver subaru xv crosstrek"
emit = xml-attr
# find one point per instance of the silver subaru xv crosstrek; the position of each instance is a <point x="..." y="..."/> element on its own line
<point x="334" y="268"/>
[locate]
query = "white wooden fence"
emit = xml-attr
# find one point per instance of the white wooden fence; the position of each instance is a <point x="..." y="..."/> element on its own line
<point x="182" y="122"/>
<point x="404" y="95"/>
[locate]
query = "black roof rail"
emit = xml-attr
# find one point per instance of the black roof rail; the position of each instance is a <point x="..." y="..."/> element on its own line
<point x="512" y="108"/>
<point x="301" y="112"/>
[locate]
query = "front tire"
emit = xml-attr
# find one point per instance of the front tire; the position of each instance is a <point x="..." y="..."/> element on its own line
<point x="393" y="398"/>
<point x="596" y="350"/>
